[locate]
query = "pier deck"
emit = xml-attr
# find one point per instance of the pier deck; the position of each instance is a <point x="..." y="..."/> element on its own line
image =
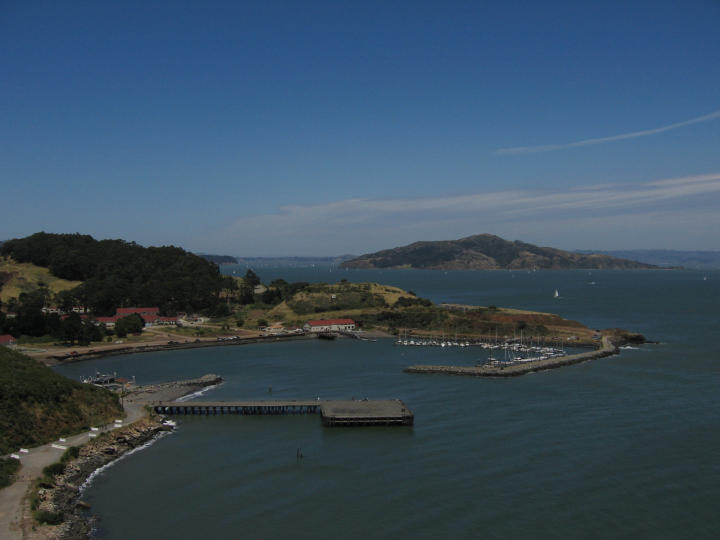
<point x="333" y="412"/>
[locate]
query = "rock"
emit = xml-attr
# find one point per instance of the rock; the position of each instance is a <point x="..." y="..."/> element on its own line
<point x="82" y="504"/>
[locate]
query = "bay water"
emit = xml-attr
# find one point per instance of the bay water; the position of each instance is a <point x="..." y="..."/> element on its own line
<point x="621" y="447"/>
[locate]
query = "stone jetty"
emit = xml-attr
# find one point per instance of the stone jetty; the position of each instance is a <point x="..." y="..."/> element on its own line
<point x="608" y="348"/>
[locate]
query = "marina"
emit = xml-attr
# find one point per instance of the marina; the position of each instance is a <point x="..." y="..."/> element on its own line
<point x="514" y="368"/>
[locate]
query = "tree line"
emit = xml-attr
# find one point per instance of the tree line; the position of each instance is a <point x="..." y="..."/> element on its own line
<point x="117" y="273"/>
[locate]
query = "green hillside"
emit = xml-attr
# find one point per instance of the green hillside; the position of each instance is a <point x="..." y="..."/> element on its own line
<point x="485" y="252"/>
<point x="116" y="273"/>
<point x="37" y="405"/>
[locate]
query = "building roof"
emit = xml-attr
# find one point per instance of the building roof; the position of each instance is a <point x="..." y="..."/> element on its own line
<point x="129" y="310"/>
<point x="329" y="322"/>
<point x="6" y="338"/>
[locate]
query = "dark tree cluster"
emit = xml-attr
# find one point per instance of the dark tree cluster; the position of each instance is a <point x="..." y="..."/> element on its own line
<point x="117" y="273"/>
<point x="29" y="320"/>
<point x="280" y="290"/>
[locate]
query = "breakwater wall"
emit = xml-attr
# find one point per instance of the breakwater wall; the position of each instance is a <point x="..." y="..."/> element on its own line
<point x="607" y="348"/>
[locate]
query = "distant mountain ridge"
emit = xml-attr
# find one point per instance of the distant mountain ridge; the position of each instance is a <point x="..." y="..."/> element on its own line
<point x="293" y="261"/>
<point x="218" y="259"/>
<point x="700" y="260"/>
<point x="486" y="252"/>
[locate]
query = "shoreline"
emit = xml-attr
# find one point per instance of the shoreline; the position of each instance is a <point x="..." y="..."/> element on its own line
<point x="54" y="359"/>
<point x="64" y="496"/>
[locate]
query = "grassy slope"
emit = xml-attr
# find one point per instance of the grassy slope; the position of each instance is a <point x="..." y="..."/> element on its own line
<point x="23" y="277"/>
<point x="477" y="321"/>
<point x="37" y="405"/>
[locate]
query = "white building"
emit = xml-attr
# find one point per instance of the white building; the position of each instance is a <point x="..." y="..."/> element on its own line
<point x="329" y="325"/>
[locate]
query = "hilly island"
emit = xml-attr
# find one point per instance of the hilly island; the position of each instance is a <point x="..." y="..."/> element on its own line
<point x="487" y="252"/>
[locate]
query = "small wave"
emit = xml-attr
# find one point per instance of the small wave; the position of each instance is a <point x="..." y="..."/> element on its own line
<point x="89" y="480"/>
<point x="629" y="347"/>
<point x="198" y="393"/>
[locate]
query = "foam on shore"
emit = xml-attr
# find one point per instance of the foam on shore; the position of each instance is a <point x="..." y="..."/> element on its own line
<point x="89" y="480"/>
<point x="199" y="393"/>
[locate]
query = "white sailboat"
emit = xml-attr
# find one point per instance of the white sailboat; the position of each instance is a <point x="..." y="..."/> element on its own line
<point x="557" y="294"/>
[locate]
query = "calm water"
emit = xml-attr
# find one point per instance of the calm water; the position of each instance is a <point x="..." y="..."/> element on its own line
<point x="623" y="447"/>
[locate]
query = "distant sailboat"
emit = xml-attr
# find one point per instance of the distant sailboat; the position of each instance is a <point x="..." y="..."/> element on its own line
<point x="557" y="294"/>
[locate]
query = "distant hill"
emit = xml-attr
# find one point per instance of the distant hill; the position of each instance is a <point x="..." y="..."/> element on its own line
<point x="219" y="259"/>
<point x="37" y="405"/>
<point x="701" y="260"/>
<point x="486" y="252"/>
<point x="259" y="262"/>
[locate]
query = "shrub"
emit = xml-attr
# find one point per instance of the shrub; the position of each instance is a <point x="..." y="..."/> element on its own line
<point x="54" y="469"/>
<point x="8" y="467"/>
<point x="49" y="518"/>
<point x="70" y="453"/>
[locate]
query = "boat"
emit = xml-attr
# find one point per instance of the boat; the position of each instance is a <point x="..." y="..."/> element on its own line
<point x="557" y="294"/>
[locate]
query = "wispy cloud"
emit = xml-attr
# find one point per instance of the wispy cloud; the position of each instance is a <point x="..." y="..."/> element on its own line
<point x="354" y="225"/>
<point x="599" y="140"/>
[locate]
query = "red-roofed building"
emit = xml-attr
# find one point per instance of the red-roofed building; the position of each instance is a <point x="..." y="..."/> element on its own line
<point x="6" y="339"/>
<point x="329" y="325"/>
<point x="108" y="321"/>
<point x="82" y="316"/>
<point x="125" y="311"/>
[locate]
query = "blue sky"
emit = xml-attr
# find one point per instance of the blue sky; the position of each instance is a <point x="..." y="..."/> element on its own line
<point x="321" y="128"/>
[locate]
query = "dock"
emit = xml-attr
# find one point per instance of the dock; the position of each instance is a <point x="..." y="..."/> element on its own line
<point x="390" y="412"/>
<point x="608" y="348"/>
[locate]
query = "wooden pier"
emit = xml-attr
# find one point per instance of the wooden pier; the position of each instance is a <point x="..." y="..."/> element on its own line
<point x="333" y="412"/>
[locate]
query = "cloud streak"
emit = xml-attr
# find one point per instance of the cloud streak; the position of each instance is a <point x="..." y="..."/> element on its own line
<point x="600" y="140"/>
<point x="355" y="225"/>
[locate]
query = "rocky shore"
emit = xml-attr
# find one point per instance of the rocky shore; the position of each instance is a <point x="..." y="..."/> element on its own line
<point x="169" y="391"/>
<point x="60" y="499"/>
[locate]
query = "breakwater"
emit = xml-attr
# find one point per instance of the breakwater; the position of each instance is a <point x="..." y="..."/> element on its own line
<point x="607" y="348"/>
